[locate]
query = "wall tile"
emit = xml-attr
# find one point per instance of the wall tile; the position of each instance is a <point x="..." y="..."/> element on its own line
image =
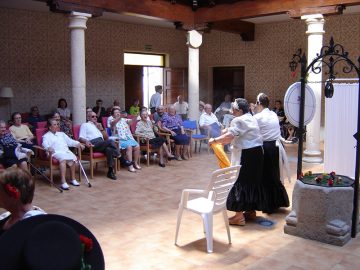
<point x="35" y="53"/>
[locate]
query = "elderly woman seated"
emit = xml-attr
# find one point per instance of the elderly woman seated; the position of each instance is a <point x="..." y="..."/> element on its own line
<point x="16" y="193"/>
<point x="145" y="128"/>
<point x="126" y="139"/>
<point x="21" y="132"/>
<point x="58" y="143"/>
<point x="172" y="123"/>
<point x="65" y="124"/>
<point x="9" y="147"/>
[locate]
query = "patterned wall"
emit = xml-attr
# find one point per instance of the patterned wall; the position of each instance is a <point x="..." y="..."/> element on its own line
<point x="267" y="58"/>
<point x="35" y="55"/>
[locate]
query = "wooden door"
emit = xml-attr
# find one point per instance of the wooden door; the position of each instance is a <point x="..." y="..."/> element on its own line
<point x="133" y="85"/>
<point x="227" y="80"/>
<point x="175" y="84"/>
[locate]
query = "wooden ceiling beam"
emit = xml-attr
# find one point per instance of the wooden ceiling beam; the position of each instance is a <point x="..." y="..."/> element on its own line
<point x="250" y="9"/>
<point x="158" y="9"/>
<point x="326" y="11"/>
<point x="246" y="30"/>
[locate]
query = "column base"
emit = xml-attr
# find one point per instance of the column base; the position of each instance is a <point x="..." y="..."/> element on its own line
<point x="312" y="152"/>
<point x="313" y="159"/>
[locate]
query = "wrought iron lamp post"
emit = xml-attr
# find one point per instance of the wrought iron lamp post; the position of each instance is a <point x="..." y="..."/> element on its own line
<point x="328" y="57"/>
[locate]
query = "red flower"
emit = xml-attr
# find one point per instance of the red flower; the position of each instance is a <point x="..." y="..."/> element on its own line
<point x="330" y="182"/>
<point x="88" y="242"/>
<point x="12" y="191"/>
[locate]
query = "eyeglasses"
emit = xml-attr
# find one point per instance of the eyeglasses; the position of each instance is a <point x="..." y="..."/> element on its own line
<point x="17" y="117"/>
<point x="93" y="116"/>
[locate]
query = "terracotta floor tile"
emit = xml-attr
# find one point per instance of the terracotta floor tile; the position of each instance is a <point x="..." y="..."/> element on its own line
<point x="134" y="220"/>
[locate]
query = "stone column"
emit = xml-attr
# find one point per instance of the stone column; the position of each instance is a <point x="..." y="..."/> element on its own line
<point x="77" y="27"/>
<point x="315" y="32"/>
<point x="194" y="42"/>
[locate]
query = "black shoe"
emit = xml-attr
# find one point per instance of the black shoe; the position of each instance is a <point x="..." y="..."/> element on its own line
<point x="172" y="158"/>
<point x="161" y="164"/>
<point x="111" y="175"/>
<point x="124" y="162"/>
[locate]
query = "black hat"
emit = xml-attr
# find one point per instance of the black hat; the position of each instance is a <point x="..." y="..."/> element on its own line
<point x="47" y="242"/>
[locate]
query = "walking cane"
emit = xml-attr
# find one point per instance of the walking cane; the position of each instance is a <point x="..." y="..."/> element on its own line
<point x="83" y="171"/>
<point x="43" y="175"/>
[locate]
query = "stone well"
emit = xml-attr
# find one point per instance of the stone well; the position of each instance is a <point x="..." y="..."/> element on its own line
<point x="321" y="213"/>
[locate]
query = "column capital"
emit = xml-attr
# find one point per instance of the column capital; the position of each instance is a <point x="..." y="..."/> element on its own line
<point x="315" y="23"/>
<point x="78" y="20"/>
<point x="194" y="39"/>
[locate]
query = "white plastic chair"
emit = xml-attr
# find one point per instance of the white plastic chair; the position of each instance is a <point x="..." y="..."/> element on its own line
<point x="210" y="201"/>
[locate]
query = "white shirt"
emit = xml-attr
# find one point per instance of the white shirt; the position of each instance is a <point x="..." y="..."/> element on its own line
<point x="246" y="131"/>
<point x="224" y="106"/>
<point x="155" y="100"/>
<point x="60" y="142"/>
<point x="206" y="119"/>
<point x="181" y="108"/>
<point x="65" y="113"/>
<point x="268" y="124"/>
<point x="89" y="131"/>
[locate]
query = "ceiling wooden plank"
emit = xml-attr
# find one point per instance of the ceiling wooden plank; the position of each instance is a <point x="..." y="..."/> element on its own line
<point x="257" y="8"/>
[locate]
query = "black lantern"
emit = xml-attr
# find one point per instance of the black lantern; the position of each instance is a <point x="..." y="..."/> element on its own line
<point x="329" y="89"/>
<point x="293" y="65"/>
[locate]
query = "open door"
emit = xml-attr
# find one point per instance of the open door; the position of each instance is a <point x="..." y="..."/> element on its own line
<point x="228" y="80"/>
<point x="133" y="85"/>
<point x="175" y="84"/>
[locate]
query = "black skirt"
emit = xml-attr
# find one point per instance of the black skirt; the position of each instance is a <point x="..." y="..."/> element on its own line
<point x="157" y="142"/>
<point x="276" y="195"/>
<point x="248" y="192"/>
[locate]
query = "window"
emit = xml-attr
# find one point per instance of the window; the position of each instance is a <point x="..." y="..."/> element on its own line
<point x="142" y="59"/>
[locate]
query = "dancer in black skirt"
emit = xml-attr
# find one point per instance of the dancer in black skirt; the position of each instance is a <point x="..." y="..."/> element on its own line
<point x="268" y="121"/>
<point x="248" y="192"/>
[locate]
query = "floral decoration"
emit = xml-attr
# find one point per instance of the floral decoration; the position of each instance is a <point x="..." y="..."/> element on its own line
<point x="12" y="191"/>
<point x="87" y="246"/>
<point x="87" y="242"/>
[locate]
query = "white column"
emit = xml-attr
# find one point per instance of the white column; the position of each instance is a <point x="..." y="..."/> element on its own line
<point x="315" y="32"/>
<point x="194" y="42"/>
<point x="77" y="27"/>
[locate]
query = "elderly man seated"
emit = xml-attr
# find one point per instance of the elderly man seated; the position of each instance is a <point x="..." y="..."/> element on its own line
<point x="34" y="118"/>
<point x="208" y="121"/>
<point x="92" y="134"/>
<point x="58" y="143"/>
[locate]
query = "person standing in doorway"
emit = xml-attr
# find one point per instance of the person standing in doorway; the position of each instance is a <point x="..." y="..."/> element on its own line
<point x="155" y="100"/>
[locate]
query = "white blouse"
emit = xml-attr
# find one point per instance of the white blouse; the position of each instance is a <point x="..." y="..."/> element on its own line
<point x="268" y="124"/>
<point x="246" y="131"/>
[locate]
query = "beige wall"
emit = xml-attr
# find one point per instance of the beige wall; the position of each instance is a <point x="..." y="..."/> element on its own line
<point x="35" y="55"/>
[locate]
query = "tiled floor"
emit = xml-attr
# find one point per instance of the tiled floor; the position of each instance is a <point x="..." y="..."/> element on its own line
<point x="134" y="220"/>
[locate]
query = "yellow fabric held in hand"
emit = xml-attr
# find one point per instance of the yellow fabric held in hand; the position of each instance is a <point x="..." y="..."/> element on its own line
<point x="220" y="155"/>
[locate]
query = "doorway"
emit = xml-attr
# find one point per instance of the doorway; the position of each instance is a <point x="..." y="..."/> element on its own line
<point x="227" y="80"/>
<point x="142" y="73"/>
